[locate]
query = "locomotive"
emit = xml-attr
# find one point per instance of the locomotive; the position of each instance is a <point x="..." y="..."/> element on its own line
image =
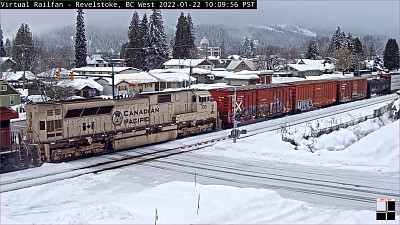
<point x="61" y="130"/>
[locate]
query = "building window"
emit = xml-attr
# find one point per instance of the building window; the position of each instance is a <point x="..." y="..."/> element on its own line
<point x="12" y="100"/>
<point x="3" y="87"/>
<point x="243" y="65"/>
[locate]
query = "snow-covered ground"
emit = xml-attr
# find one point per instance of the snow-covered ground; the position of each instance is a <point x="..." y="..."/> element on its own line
<point x="369" y="145"/>
<point x="100" y="199"/>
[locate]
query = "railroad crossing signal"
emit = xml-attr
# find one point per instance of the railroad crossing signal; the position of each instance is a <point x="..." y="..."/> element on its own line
<point x="58" y="74"/>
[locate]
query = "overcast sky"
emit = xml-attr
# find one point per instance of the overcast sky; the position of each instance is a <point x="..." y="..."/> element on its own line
<point x="368" y="17"/>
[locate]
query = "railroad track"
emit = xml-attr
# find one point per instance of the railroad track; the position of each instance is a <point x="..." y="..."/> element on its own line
<point x="154" y="154"/>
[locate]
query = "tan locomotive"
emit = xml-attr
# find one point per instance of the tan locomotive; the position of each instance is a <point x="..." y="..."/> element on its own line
<point x="59" y="130"/>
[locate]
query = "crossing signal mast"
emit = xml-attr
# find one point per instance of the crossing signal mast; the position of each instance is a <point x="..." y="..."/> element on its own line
<point x="72" y="75"/>
<point x="235" y="133"/>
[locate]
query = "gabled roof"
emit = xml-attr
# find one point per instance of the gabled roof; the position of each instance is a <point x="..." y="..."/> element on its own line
<point x="79" y="84"/>
<point x="3" y="59"/>
<point x="309" y="64"/>
<point x="234" y="64"/>
<point x="184" y="62"/>
<point x="16" y="76"/>
<point x="171" y="76"/>
<point x="103" y="69"/>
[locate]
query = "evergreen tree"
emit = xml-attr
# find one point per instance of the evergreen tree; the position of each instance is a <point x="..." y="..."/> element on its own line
<point x="23" y="43"/>
<point x="80" y="41"/>
<point x="145" y="43"/>
<point x="247" y="48"/>
<point x="338" y="41"/>
<point x="8" y="48"/>
<point x="134" y="48"/>
<point x="350" y="43"/>
<point x="158" y="51"/>
<point x="312" y="50"/>
<point x="178" y="50"/>
<point x="391" y="55"/>
<point x="122" y="52"/>
<point x="358" y="48"/>
<point x="190" y="38"/>
<point x="2" y="49"/>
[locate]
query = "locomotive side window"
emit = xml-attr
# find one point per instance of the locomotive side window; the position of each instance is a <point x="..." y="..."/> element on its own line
<point x="73" y="113"/>
<point x="42" y="125"/>
<point x="204" y="99"/>
<point x="194" y="98"/>
<point x="58" y="125"/>
<point x="164" y="98"/>
<point x="50" y="126"/>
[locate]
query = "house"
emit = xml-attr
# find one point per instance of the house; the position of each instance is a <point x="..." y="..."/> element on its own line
<point x="17" y="77"/>
<point x="98" y="71"/>
<point x="309" y="67"/>
<point x="240" y="65"/>
<point x="241" y="79"/>
<point x="131" y="84"/>
<point x="205" y="50"/>
<point x="96" y="60"/>
<point x="86" y="88"/>
<point x="6" y="63"/>
<point x="219" y="63"/>
<point x="8" y="95"/>
<point x="171" y="79"/>
<point x="187" y="63"/>
<point x="264" y="76"/>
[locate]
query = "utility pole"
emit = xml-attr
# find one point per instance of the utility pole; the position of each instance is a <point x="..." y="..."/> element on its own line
<point x="112" y="77"/>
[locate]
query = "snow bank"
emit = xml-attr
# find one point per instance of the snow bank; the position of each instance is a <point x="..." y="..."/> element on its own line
<point x="90" y="199"/>
<point x="346" y="148"/>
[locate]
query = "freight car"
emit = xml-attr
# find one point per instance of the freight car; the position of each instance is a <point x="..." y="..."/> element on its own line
<point x="256" y="102"/>
<point x="61" y="130"/>
<point x="13" y="152"/>
<point x="351" y="89"/>
<point x="393" y="79"/>
<point x="378" y="86"/>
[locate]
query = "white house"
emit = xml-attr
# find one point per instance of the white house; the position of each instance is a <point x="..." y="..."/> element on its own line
<point x="187" y="63"/>
<point x="96" y="71"/>
<point x="96" y="60"/>
<point x="171" y="79"/>
<point x="240" y="65"/>
<point x="309" y="67"/>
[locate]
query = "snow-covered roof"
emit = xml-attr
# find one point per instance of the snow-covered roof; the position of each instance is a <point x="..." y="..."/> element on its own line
<point x="95" y="59"/>
<point x="171" y="76"/>
<point x="23" y="92"/>
<point x="3" y="59"/>
<point x="109" y="69"/>
<point x="235" y="57"/>
<point x="221" y="73"/>
<point x="234" y="63"/>
<point x="258" y="72"/>
<point x="235" y="76"/>
<point x="79" y="84"/>
<point x="310" y="64"/>
<point x="16" y="76"/>
<point x="137" y="78"/>
<point x="183" y="62"/>
<point x="52" y="72"/>
<point x="184" y="70"/>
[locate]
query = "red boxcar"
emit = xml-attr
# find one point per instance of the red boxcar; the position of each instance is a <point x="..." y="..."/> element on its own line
<point x="351" y="89"/>
<point x="257" y="102"/>
<point x="6" y="114"/>
<point x="310" y="94"/>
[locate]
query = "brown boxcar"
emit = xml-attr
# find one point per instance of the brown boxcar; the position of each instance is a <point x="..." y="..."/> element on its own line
<point x="351" y="89"/>
<point x="307" y="95"/>
<point x="257" y="102"/>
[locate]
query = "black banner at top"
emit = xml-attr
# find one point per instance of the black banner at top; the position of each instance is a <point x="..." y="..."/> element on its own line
<point x="134" y="4"/>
